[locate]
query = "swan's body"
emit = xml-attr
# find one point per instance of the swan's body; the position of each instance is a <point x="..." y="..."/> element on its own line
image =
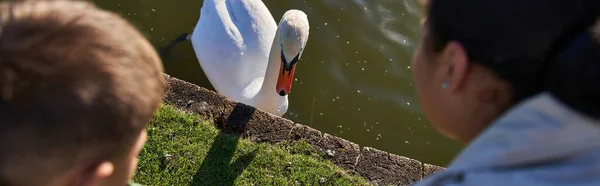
<point x="239" y="47"/>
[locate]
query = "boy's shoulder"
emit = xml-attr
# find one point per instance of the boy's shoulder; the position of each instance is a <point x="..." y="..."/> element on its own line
<point x="131" y="183"/>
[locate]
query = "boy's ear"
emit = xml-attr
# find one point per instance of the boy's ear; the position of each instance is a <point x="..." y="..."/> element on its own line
<point x="96" y="174"/>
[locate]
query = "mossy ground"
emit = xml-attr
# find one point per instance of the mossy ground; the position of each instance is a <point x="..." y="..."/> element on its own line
<point x="184" y="149"/>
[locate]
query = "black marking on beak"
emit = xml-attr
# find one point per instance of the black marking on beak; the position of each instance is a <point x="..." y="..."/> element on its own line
<point x="287" y="67"/>
<point x="282" y="93"/>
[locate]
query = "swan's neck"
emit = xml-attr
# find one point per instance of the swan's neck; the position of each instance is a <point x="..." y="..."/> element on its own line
<point x="267" y="96"/>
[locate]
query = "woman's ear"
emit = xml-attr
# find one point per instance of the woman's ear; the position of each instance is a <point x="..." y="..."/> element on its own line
<point x="455" y="63"/>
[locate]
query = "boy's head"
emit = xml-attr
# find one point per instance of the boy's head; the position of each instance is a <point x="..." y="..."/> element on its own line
<point x="77" y="87"/>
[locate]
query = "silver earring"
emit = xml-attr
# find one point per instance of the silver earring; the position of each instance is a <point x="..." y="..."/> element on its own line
<point x="444" y="85"/>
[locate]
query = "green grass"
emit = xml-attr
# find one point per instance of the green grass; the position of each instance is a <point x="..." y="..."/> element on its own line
<point x="182" y="149"/>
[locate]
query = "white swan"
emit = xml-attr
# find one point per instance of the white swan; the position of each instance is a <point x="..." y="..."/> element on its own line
<point x="245" y="56"/>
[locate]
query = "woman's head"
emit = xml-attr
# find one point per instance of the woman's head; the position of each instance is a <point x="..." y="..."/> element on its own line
<point x="478" y="58"/>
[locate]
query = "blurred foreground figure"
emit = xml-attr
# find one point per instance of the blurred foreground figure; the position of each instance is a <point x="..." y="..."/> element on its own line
<point x="519" y="82"/>
<point x="77" y="88"/>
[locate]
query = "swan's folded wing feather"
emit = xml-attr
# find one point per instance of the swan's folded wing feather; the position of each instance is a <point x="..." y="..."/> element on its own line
<point x="232" y="42"/>
<point x="219" y="47"/>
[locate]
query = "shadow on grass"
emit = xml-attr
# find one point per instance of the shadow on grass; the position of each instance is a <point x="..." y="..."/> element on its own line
<point x="217" y="168"/>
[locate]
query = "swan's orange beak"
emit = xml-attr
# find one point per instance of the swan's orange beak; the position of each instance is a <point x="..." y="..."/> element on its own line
<point x="284" y="82"/>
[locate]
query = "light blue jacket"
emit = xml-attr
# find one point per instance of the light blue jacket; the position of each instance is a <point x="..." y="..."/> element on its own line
<point x="539" y="142"/>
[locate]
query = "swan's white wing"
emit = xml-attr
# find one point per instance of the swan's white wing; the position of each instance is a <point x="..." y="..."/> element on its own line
<point x="232" y="40"/>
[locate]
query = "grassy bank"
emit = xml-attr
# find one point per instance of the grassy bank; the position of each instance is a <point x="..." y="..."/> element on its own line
<point x="182" y="149"/>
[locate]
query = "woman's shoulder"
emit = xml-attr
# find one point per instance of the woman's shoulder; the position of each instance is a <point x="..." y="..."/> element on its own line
<point x="537" y="141"/>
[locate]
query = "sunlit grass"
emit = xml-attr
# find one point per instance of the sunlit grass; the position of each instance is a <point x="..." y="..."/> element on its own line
<point x="183" y="149"/>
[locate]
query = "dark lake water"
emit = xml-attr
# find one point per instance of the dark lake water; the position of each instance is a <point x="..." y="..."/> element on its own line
<point x="353" y="81"/>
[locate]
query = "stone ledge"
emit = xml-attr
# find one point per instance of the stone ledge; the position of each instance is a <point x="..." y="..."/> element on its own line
<point x="429" y="169"/>
<point x="379" y="167"/>
<point x="310" y="135"/>
<point x="340" y="151"/>
<point x="227" y="114"/>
